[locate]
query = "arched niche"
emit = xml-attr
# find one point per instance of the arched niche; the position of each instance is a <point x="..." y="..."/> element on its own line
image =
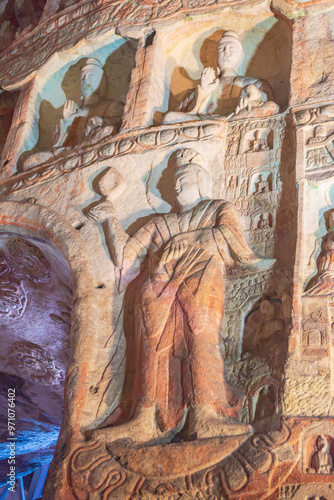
<point x="35" y="323"/>
<point x="59" y="82"/>
<point x="25" y="220"/>
<point x="186" y="51"/>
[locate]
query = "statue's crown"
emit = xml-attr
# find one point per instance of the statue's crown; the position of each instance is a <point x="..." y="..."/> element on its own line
<point x="230" y="35"/>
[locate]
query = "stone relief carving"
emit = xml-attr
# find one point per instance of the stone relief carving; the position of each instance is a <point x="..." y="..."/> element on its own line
<point x="132" y="142"/>
<point x="95" y="118"/>
<point x="28" y="260"/>
<point x="20" y="260"/>
<point x="187" y="252"/>
<point x="13" y="298"/>
<point x="264" y="333"/>
<point x="321" y="461"/>
<point x="323" y="282"/>
<point x="33" y="363"/>
<point x="223" y="92"/>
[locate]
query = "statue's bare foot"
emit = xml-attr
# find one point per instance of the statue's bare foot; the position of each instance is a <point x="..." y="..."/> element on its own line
<point x="205" y="423"/>
<point x="141" y="429"/>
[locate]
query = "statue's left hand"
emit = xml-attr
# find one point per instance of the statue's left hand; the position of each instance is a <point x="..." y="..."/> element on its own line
<point x="101" y="212"/>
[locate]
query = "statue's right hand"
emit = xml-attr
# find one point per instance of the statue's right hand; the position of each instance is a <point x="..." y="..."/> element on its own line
<point x="70" y="109"/>
<point x="101" y="212"/>
<point x="209" y="80"/>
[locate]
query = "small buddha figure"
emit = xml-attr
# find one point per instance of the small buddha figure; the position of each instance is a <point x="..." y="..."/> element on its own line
<point x="264" y="333"/>
<point x="320" y="135"/>
<point x="259" y="144"/>
<point x="321" y="460"/>
<point x="323" y="282"/>
<point x="223" y="93"/>
<point x="95" y="118"/>
<point x="262" y="185"/>
<point x="231" y="188"/>
<point x="263" y="222"/>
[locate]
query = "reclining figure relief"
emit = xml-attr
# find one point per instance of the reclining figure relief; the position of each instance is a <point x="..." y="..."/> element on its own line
<point x="173" y="271"/>
<point x="95" y="118"/>
<point x="223" y="93"/>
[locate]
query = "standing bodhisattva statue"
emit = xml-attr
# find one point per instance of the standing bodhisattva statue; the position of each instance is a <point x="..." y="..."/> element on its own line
<point x="225" y="93"/>
<point x="175" y="311"/>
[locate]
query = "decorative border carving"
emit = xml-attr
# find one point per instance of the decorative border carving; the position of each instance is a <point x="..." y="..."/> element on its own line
<point x="68" y="27"/>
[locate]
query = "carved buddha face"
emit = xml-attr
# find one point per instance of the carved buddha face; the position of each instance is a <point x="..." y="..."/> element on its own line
<point x="186" y="185"/>
<point x="230" y="52"/>
<point x="92" y="78"/>
<point x="267" y="310"/>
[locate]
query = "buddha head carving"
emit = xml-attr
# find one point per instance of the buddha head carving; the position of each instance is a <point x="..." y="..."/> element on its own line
<point x="267" y="309"/>
<point x="93" y="79"/>
<point x="230" y="51"/>
<point x="192" y="180"/>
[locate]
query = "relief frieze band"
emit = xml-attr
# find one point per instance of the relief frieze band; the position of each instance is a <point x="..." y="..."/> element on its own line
<point x="129" y="143"/>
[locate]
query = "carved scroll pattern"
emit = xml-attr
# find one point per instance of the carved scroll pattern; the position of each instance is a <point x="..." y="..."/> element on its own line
<point x="22" y="261"/>
<point x="257" y="467"/>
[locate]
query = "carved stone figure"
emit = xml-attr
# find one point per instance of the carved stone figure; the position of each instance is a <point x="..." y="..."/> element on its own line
<point x="225" y="93"/>
<point x="231" y="188"/>
<point x="262" y="185"/>
<point x="323" y="282"/>
<point x="322" y="460"/>
<point x="264" y="333"/>
<point x="175" y="307"/>
<point x="263" y="222"/>
<point x="320" y="135"/>
<point x="258" y="143"/>
<point x="95" y="118"/>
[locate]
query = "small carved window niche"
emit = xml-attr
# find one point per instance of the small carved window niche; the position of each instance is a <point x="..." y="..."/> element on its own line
<point x="320" y="452"/>
<point x="199" y="82"/>
<point x="79" y="104"/>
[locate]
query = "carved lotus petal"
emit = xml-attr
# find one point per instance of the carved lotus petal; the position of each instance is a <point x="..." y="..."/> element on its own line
<point x="209" y="130"/>
<point x="191" y="132"/>
<point x="70" y="163"/>
<point x="125" y="145"/>
<point x="88" y="157"/>
<point x="235" y="474"/>
<point x="148" y="139"/>
<point x="109" y="150"/>
<point x="167" y="136"/>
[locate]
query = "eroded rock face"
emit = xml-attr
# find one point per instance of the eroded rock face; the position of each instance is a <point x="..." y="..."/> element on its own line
<point x="35" y="312"/>
<point x="166" y="212"/>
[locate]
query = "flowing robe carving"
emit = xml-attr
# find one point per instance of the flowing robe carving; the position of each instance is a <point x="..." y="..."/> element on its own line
<point x="225" y="98"/>
<point x="174" y="314"/>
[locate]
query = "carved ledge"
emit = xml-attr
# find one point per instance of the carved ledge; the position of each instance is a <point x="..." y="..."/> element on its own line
<point x="128" y="143"/>
<point x="292" y="8"/>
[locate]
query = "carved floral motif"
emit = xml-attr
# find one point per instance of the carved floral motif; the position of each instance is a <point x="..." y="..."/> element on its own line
<point x="32" y="363"/>
<point x="28" y="260"/>
<point x="13" y="298"/>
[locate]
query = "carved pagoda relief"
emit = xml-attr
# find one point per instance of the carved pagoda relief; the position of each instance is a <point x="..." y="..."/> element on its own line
<point x="166" y="240"/>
